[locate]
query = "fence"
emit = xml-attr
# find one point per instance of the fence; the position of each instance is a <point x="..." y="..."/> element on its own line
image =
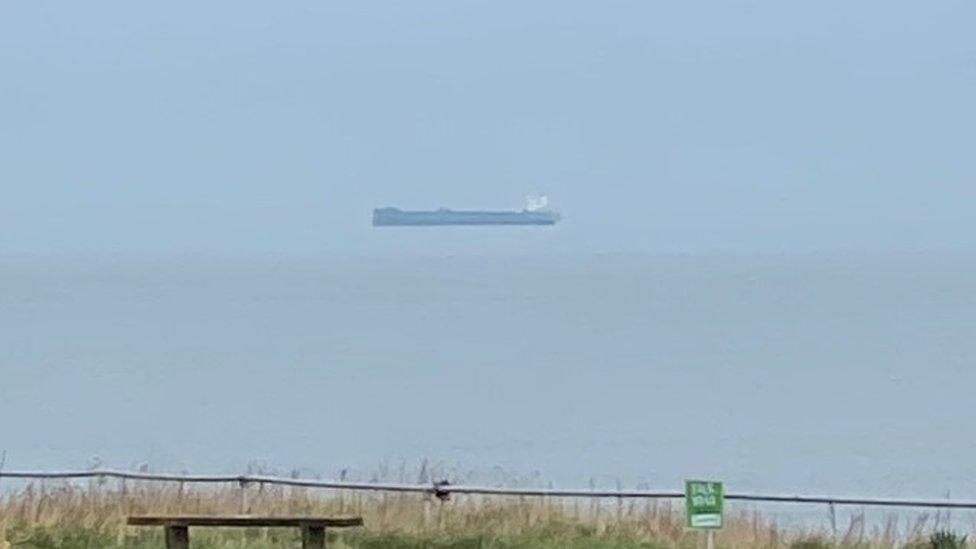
<point x="443" y="490"/>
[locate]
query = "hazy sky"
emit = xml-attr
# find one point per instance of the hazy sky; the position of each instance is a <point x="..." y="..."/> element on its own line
<point x="254" y="127"/>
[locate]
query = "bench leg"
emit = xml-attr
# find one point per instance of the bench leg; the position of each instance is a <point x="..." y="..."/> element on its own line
<point x="177" y="537"/>
<point x="313" y="537"/>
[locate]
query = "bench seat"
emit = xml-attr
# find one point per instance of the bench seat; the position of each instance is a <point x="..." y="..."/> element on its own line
<point x="178" y="534"/>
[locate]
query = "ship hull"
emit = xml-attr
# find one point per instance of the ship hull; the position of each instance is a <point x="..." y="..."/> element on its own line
<point x="393" y="217"/>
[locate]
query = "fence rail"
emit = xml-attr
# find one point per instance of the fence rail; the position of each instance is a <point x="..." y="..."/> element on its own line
<point x="444" y="490"/>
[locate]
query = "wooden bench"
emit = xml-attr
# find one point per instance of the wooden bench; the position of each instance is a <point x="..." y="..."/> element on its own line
<point x="178" y="527"/>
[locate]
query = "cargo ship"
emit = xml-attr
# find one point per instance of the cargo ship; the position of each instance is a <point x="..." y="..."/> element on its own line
<point x="535" y="213"/>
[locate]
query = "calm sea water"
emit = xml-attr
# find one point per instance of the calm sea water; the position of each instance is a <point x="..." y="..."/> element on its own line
<point x="838" y="374"/>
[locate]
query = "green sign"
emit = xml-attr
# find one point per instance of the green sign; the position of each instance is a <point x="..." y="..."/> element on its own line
<point x="704" y="500"/>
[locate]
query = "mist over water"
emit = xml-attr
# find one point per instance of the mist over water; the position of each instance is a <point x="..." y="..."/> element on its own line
<point x="827" y="373"/>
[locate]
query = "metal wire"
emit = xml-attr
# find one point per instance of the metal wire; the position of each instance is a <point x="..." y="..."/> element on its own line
<point x="443" y="490"/>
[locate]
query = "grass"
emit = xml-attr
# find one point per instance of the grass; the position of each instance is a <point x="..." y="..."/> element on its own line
<point x="67" y="516"/>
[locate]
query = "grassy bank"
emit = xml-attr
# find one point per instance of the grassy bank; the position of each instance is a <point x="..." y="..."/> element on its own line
<point x="63" y="516"/>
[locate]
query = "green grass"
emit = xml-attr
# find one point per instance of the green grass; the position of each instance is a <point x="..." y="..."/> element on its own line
<point x="65" y="516"/>
<point x="109" y="537"/>
<point x="91" y="537"/>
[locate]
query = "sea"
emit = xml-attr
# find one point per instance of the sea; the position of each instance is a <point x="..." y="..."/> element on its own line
<point x="846" y="374"/>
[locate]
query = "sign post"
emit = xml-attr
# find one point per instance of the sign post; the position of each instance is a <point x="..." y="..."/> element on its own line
<point x="704" y="506"/>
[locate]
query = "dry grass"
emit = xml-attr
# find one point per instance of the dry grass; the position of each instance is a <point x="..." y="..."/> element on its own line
<point x="68" y="516"/>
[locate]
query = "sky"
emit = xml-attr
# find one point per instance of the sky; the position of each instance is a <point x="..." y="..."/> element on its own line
<point x="252" y="127"/>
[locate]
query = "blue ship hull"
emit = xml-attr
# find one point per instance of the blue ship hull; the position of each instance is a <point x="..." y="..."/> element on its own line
<point x="394" y="217"/>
